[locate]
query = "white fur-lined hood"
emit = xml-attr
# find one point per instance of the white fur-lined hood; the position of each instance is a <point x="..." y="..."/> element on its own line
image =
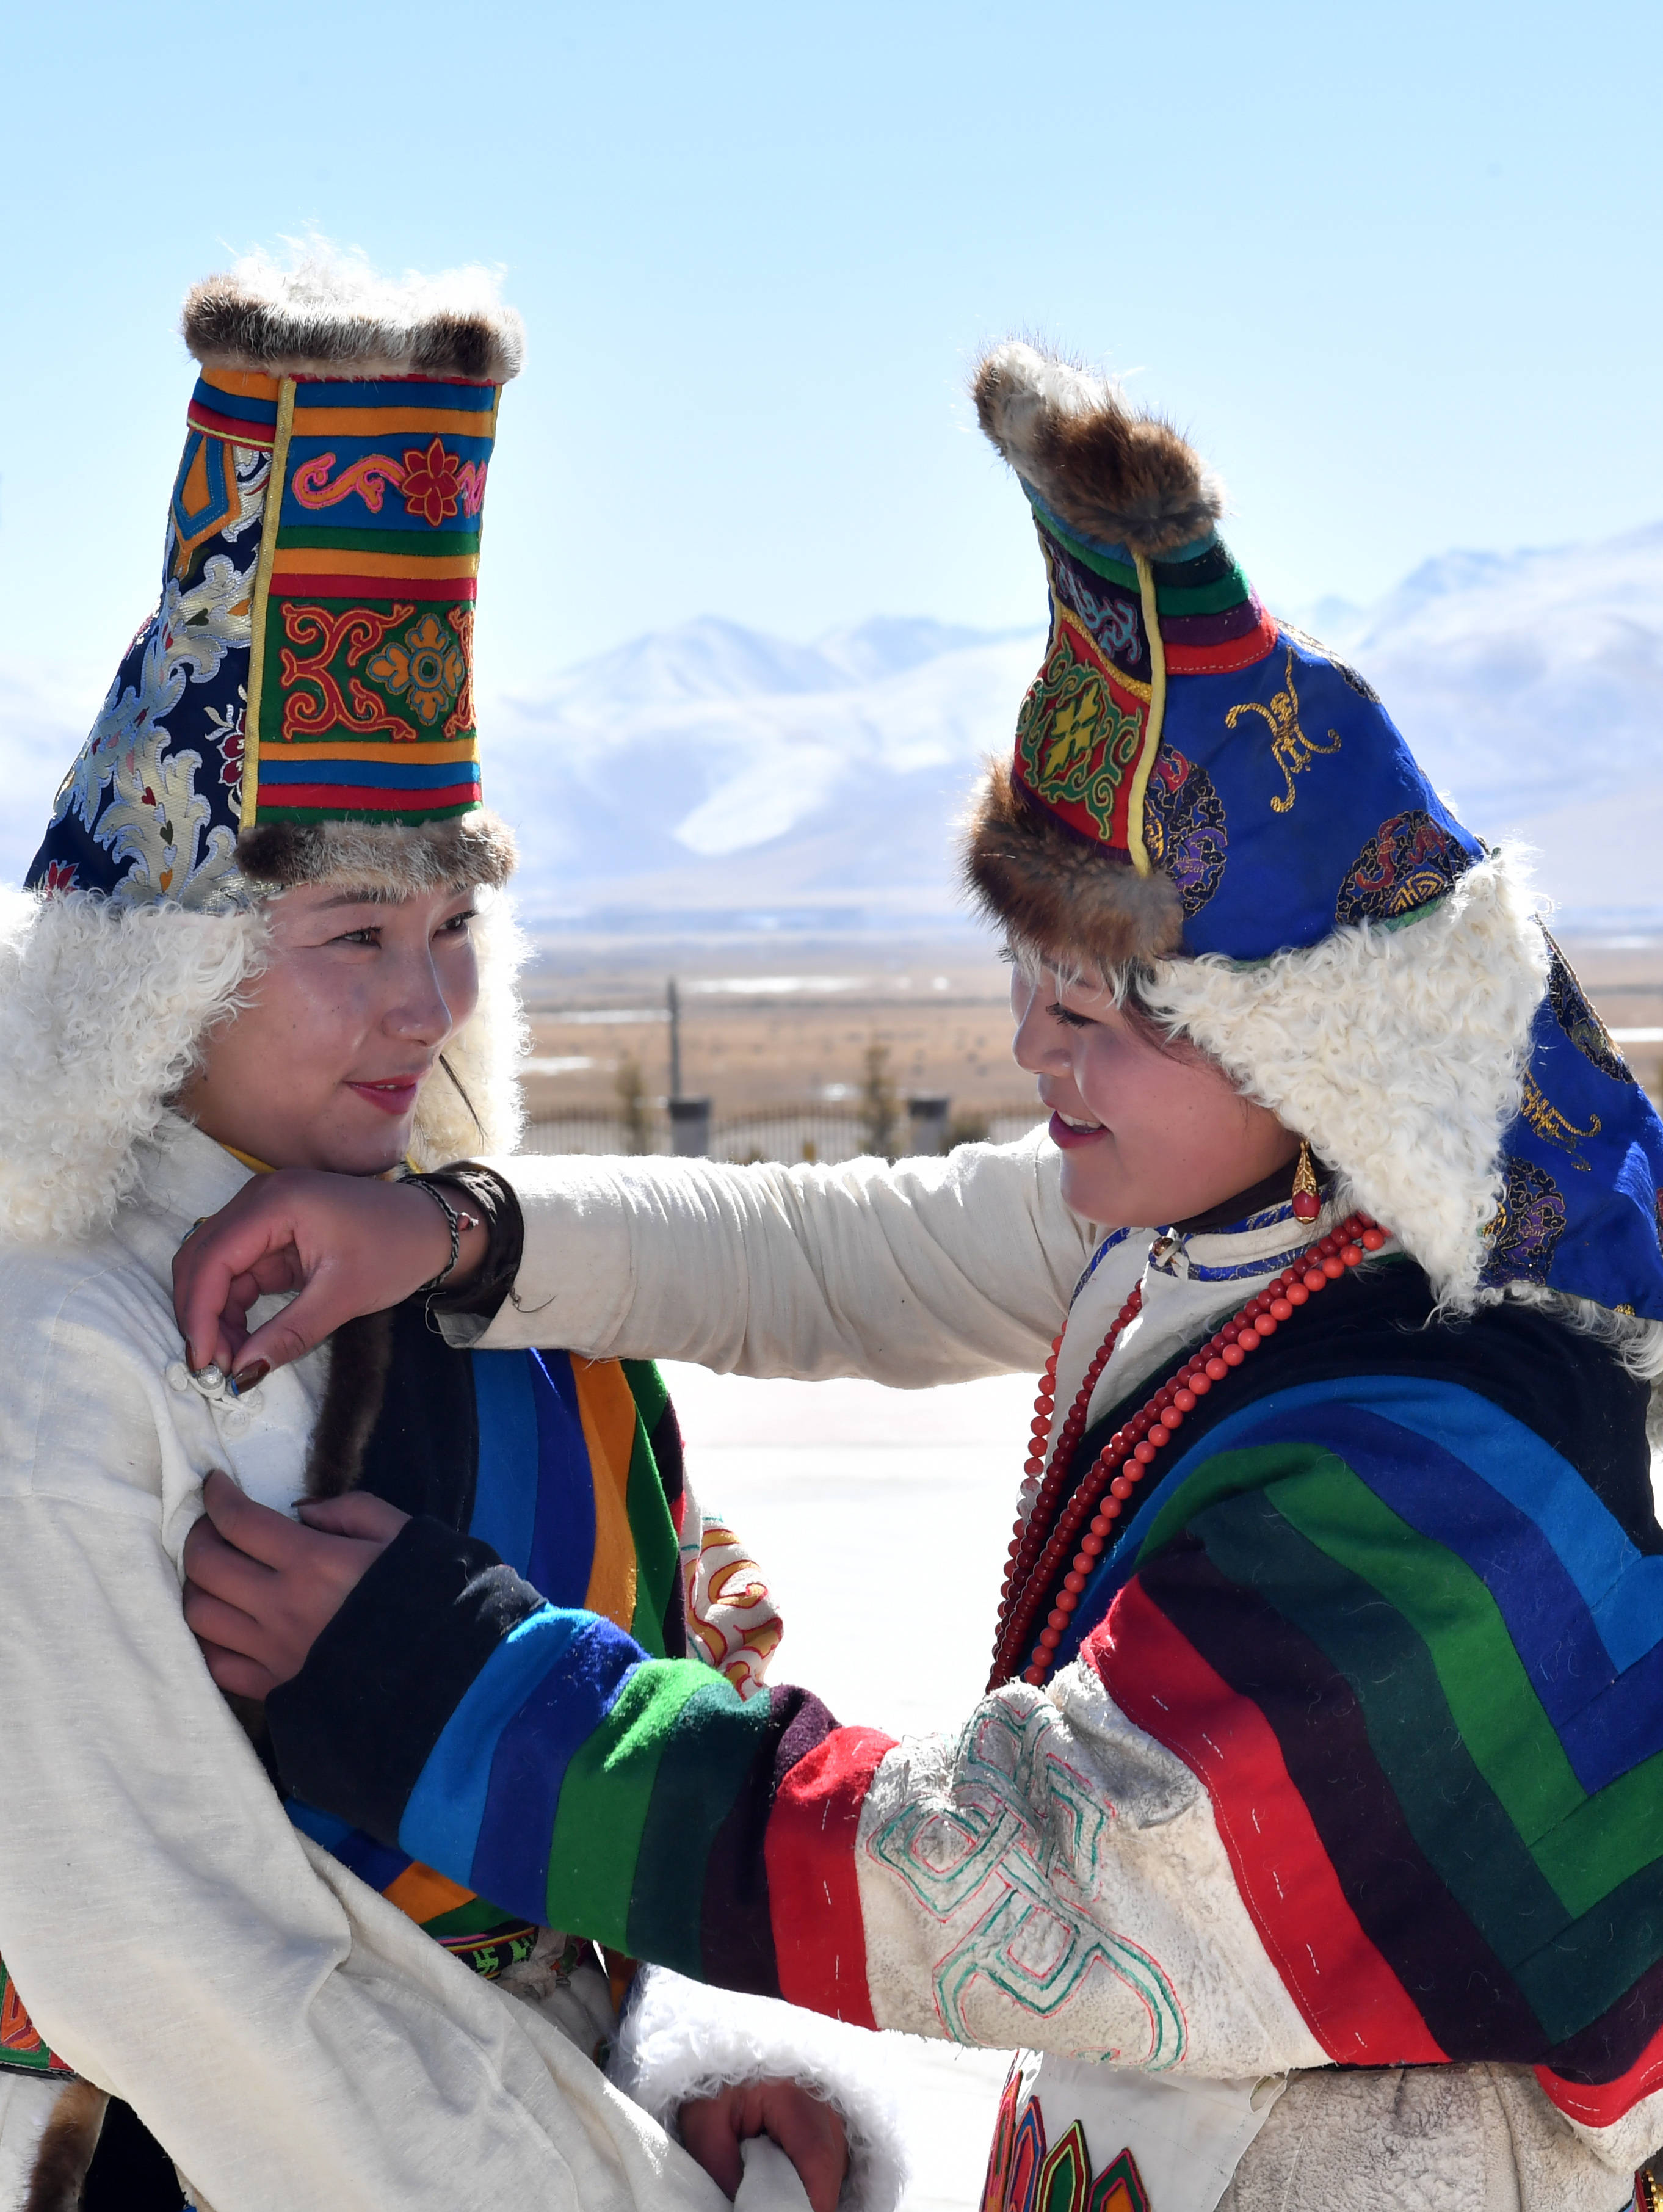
<point x="103" y="1011"/>
<point x="1398" y="1051"/>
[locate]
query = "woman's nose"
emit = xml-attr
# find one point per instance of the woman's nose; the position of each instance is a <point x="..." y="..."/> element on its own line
<point x="421" y="1010"/>
<point x="1036" y="1046"/>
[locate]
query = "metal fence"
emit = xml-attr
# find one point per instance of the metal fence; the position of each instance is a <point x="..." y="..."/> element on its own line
<point x="827" y="1132"/>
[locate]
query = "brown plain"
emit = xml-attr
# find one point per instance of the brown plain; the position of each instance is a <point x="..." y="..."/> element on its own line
<point x="769" y="1023"/>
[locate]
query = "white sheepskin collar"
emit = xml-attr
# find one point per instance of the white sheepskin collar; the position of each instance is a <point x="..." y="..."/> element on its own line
<point x="103" y="1010"/>
<point x="1398" y="1052"/>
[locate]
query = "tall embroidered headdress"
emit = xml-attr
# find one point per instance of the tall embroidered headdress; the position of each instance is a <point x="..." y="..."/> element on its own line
<point x="301" y="701"/>
<point x="1205" y="794"/>
<point x="298" y="709"/>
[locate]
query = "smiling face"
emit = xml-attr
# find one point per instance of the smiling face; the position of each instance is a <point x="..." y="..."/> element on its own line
<point x="1150" y="1132"/>
<point x="323" y="1065"/>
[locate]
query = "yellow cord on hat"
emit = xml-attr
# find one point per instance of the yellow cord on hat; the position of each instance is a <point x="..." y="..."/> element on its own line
<point x="1157" y="710"/>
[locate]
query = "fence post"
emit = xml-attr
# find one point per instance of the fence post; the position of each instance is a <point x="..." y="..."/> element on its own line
<point x="926" y="1125"/>
<point x="689" y="1127"/>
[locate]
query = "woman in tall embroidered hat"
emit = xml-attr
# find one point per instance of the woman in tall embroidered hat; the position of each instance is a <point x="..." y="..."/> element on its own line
<point x="1308" y="1842"/>
<point x="265" y="931"/>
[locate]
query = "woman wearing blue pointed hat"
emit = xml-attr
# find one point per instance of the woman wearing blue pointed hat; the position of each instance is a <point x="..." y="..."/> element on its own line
<point x="263" y="932"/>
<point x="1308" y="1842"/>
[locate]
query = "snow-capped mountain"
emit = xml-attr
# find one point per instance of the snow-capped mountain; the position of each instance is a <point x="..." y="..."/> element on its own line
<point x="713" y="774"/>
<point x="710" y="771"/>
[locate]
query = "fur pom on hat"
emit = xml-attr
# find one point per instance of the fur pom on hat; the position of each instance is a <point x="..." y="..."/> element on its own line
<point x="332" y="315"/>
<point x="1056" y="894"/>
<point x="1121" y="477"/>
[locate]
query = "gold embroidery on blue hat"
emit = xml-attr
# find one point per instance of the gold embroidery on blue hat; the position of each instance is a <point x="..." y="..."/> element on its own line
<point x="1290" y="748"/>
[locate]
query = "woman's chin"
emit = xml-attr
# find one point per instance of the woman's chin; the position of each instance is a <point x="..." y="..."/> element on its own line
<point x="366" y="1151"/>
<point x="1090" y="1186"/>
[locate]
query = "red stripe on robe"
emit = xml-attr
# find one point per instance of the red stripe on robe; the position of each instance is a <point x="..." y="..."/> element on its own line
<point x="813" y="1896"/>
<point x="1352" y="2002"/>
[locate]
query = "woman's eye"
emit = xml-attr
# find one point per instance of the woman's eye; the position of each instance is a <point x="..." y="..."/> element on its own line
<point x="369" y="936"/>
<point x="1062" y="1013"/>
<point x="457" y="925"/>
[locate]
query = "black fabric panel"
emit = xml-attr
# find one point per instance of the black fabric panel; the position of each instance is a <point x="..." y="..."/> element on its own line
<point x="130" y="2172"/>
<point x="1469" y="2001"/>
<point x="357" y="1724"/>
<point x="665" y="1442"/>
<point x="423" y="1455"/>
<point x="1570" y="1389"/>
<point x="1209" y="567"/>
<point x="1605" y="2049"/>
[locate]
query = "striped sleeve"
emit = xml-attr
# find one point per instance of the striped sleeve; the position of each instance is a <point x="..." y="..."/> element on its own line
<point x="540" y="1756"/>
<point x="1362" y="1762"/>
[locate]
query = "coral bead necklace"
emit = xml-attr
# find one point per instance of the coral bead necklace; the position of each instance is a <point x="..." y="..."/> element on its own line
<point x="1084" y="1526"/>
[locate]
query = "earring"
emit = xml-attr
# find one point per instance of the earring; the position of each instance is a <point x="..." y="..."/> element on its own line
<point x="1307" y="1202"/>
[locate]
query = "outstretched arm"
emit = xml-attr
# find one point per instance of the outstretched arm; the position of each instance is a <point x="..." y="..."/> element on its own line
<point x="930" y="1271"/>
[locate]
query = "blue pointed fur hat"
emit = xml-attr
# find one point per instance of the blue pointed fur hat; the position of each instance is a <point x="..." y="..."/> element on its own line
<point x="1205" y="796"/>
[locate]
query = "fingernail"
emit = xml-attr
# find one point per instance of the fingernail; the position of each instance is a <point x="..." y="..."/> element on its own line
<point x="250" y="1378"/>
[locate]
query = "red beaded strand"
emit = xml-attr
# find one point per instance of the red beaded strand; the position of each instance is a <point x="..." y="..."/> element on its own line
<point x="1032" y="1558"/>
<point x="1025" y="1543"/>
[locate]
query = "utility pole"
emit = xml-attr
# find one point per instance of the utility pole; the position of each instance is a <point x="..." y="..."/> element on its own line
<point x="689" y="1118"/>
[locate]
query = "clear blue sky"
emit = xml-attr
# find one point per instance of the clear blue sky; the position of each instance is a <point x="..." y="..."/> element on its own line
<point x="1396" y="268"/>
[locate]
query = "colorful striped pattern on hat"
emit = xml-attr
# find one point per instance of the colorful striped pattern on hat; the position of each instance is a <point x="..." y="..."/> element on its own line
<point x="360" y="688"/>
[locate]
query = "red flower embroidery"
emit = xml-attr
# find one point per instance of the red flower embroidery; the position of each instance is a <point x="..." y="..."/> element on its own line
<point x="432" y="486"/>
<point x="231" y="758"/>
<point x="60" y="876"/>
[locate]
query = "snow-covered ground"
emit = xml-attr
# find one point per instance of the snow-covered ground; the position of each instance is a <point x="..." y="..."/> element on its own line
<point x="880" y="1518"/>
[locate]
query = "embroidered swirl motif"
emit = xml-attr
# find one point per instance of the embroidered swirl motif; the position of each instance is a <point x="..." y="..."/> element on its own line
<point x="1409" y="862"/>
<point x="1577" y="1018"/>
<point x="1073" y="741"/>
<point x="1184" y="828"/>
<point x="1528" y="1224"/>
<point x="350" y="634"/>
<point x="1113" y="619"/>
<point x="436" y="484"/>
<point x="429" y="668"/>
<point x="1551" y="1125"/>
<point x="1290" y="748"/>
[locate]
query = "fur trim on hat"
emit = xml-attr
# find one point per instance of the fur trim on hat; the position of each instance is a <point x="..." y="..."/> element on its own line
<point x="1121" y="477"/>
<point x="1398" y="1051"/>
<point x="103" y="1009"/>
<point x="1057" y="893"/>
<point x="331" y="315"/>
<point x="103" y="1012"/>
<point x="386" y="858"/>
<point x="680" y="2039"/>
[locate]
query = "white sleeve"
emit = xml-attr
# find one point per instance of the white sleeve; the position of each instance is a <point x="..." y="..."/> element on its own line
<point x="930" y="1271"/>
<point x="680" y="2039"/>
<point x="287" y="2035"/>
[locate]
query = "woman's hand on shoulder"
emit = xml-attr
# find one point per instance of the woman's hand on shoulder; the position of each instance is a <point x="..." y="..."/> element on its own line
<point x="344" y="1244"/>
<point x="811" y="2133"/>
